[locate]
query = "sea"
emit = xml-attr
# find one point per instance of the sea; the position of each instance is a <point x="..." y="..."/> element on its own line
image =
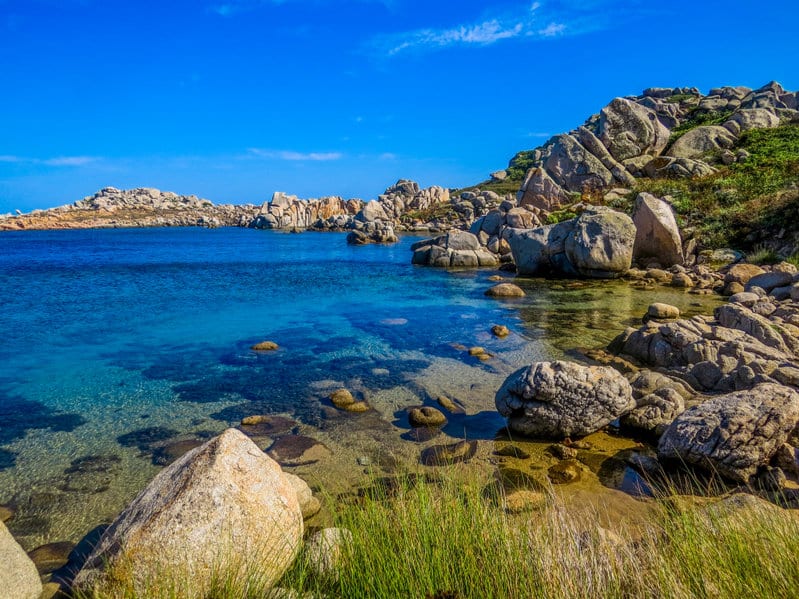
<point x="123" y="348"/>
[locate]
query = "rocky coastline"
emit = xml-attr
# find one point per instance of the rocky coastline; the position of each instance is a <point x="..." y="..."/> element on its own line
<point x="716" y="396"/>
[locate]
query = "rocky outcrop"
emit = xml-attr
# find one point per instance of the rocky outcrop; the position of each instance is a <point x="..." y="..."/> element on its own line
<point x="371" y="232"/>
<point x="733" y="434"/>
<point x="598" y="244"/>
<point x="220" y="510"/>
<point x="657" y="235"/>
<point x="18" y="576"/>
<point x="562" y="399"/>
<point x="142" y="207"/>
<point x="657" y="134"/>
<point x="454" y="249"/>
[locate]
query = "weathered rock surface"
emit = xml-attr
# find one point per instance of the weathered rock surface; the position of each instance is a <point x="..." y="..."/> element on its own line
<point x="598" y="244"/>
<point x="562" y="399"/>
<point x="700" y="141"/>
<point x="19" y="578"/>
<point x="657" y="234"/>
<point x="601" y="245"/>
<point x="223" y="501"/>
<point x="142" y="207"/>
<point x="733" y="434"/>
<point x="454" y="249"/>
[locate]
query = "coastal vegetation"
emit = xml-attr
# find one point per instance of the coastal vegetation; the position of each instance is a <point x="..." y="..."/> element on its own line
<point x="451" y="537"/>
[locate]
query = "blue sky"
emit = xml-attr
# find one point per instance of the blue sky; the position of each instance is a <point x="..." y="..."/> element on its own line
<point x="234" y="99"/>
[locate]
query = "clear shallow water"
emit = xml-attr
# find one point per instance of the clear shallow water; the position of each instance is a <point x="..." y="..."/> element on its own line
<point x="119" y="343"/>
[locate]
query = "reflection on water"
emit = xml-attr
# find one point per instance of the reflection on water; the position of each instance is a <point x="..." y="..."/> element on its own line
<point x="132" y="347"/>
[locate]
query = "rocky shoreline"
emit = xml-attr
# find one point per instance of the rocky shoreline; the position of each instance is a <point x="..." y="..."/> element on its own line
<point x="716" y="396"/>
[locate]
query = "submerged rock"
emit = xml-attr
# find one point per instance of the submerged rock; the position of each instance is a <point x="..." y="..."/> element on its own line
<point x="563" y="399"/>
<point x="505" y="290"/>
<point x="220" y="507"/>
<point x="426" y="416"/>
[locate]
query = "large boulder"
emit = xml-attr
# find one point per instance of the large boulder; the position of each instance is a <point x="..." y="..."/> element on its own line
<point x="541" y="250"/>
<point x="601" y="244"/>
<point x="701" y="141"/>
<point x="657" y="234"/>
<point x="371" y="212"/>
<point x="751" y="118"/>
<point x="18" y="576"/>
<point x="540" y="190"/>
<point x="733" y="434"/>
<point x="628" y="129"/>
<point x="220" y="511"/>
<point x="573" y="167"/>
<point x="562" y="399"/>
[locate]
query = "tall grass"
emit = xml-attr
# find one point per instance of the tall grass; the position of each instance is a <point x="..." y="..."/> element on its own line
<point x="446" y="539"/>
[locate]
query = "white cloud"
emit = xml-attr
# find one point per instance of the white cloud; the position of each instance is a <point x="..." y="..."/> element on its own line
<point x="69" y="161"/>
<point x="291" y="155"/>
<point x="57" y="161"/>
<point x="547" y="19"/>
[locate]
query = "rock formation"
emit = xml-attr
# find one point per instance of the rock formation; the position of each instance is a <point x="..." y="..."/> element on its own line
<point x="660" y="133"/>
<point x="114" y="208"/>
<point x="220" y="509"/>
<point x="18" y="576"/>
<point x="598" y="243"/>
<point x="562" y="399"/>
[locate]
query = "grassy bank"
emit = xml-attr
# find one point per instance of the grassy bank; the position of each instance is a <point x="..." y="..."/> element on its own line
<point x="448" y="540"/>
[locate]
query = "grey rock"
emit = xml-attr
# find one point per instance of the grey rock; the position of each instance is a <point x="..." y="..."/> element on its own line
<point x="325" y="549"/>
<point x="733" y="434"/>
<point x="561" y="399"/>
<point x="226" y="491"/>
<point x="19" y="578"/>
<point x="628" y="129"/>
<point x="601" y="244"/>
<point x="702" y="140"/>
<point x="657" y="234"/>
<point x="769" y="280"/>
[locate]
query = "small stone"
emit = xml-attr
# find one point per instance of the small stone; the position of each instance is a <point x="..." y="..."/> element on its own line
<point x="562" y="452"/>
<point x="342" y="398"/>
<point x="426" y="416"/>
<point x="49" y="558"/>
<point x="564" y="472"/>
<point x="505" y="290"/>
<point x="447" y="403"/>
<point x="297" y="450"/>
<point x="445" y="455"/>
<point x="500" y="330"/>
<point x="325" y="550"/>
<point x="681" y="279"/>
<point x="363" y="461"/>
<point x="512" y="451"/>
<point x="663" y="311"/>
<point x="309" y="505"/>
<point x="265" y="346"/>
<point x="524" y="500"/>
<point x="496" y="278"/>
<point x="6" y="513"/>
<point x="359" y="407"/>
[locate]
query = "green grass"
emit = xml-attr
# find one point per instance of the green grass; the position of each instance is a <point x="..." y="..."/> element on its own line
<point x="444" y="539"/>
<point x="751" y="196"/>
<point x="762" y="254"/>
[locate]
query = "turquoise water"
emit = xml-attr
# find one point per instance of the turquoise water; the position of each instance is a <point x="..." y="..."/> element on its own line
<point x="118" y="344"/>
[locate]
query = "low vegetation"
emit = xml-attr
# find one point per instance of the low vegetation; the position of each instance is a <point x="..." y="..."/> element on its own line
<point x="448" y="540"/>
<point x="745" y="202"/>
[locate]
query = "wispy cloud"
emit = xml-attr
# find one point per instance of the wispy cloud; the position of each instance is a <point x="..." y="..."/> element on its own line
<point x="539" y="20"/>
<point x="293" y="156"/>
<point x="57" y="161"/>
<point x="234" y="7"/>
